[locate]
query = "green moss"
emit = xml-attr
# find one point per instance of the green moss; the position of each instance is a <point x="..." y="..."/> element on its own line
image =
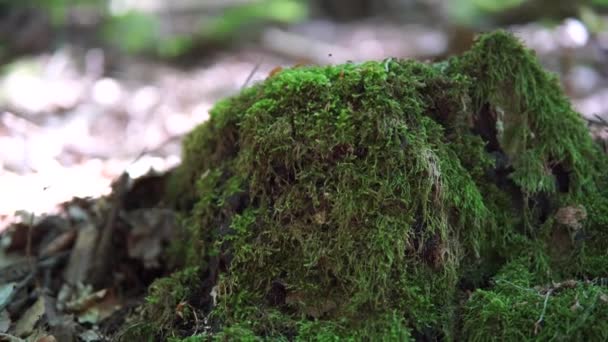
<point x="515" y="309"/>
<point x="161" y="315"/>
<point x="531" y="113"/>
<point x="357" y="201"/>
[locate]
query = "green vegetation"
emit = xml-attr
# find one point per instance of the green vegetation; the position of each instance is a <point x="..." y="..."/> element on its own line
<point x="137" y="31"/>
<point x="363" y="201"/>
<point x="135" y="28"/>
<point x="493" y="13"/>
<point x="234" y="20"/>
<point x="515" y="310"/>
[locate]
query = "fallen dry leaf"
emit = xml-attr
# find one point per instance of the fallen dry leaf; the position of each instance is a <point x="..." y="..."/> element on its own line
<point x="47" y="338"/>
<point x="571" y="216"/>
<point x="5" y="321"/>
<point x="6" y="292"/>
<point x="29" y="319"/>
<point x="60" y="243"/>
<point x="576" y="306"/>
<point x="82" y="254"/>
<point x="150" y="229"/>
<point x="100" y="311"/>
<point x="89" y="336"/>
<point x="89" y="307"/>
<point x="85" y="300"/>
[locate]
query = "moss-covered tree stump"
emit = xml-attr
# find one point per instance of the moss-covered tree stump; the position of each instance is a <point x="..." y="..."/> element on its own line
<point x="390" y="200"/>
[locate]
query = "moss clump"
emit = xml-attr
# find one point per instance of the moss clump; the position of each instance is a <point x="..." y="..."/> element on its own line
<point x="357" y="201"/>
<point x="166" y="312"/>
<point x="515" y="309"/>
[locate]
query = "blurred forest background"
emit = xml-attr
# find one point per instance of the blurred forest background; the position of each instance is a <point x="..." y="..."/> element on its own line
<point x="89" y="88"/>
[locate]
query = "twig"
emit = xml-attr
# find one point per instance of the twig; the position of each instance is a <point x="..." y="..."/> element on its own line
<point x="596" y="120"/>
<point x="23" y="283"/>
<point x="250" y="76"/>
<point x="516" y="286"/>
<point x="11" y="338"/>
<point x="102" y="251"/>
<point x="542" y="314"/>
<point x="42" y="263"/>
<point x="602" y="120"/>
<point x="28" y="247"/>
<point x="196" y="321"/>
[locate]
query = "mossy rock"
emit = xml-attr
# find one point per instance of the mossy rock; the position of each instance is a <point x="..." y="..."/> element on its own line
<point x="362" y="201"/>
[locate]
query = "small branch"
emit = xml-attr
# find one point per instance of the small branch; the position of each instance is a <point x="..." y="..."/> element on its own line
<point x="542" y="314"/>
<point x="23" y="283"/>
<point x="516" y="286"/>
<point x="28" y="251"/>
<point x="40" y="264"/>
<point x="102" y="253"/>
<point x="11" y="338"/>
<point x="250" y="76"/>
<point x="600" y="119"/>
<point x="596" y="120"/>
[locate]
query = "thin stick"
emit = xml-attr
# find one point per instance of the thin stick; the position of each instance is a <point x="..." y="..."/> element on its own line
<point x="250" y="76"/>
<point x="28" y="247"/>
<point x="23" y="283"/>
<point x="542" y="314"/>
<point x="11" y="338"/>
<point x="102" y="253"/>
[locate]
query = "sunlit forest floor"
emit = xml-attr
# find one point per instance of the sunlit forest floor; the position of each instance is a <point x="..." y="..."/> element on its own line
<point x="75" y="118"/>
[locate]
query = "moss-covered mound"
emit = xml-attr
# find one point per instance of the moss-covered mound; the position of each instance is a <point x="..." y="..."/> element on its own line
<point x="365" y="201"/>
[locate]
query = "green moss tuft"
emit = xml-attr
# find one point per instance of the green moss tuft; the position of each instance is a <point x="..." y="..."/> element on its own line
<point x="161" y="316"/>
<point x="515" y="309"/>
<point x="357" y="201"/>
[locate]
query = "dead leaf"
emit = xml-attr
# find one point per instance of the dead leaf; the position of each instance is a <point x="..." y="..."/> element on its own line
<point x="85" y="299"/>
<point x="59" y="243"/>
<point x="179" y="309"/>
<point x="151" y="228"/>
<point x="576" y="306"/>
<point x="274" y="71"/>
<point x="9" y="260"/>
<point x="47" y="338"/>
<point x="6" y="293"/>
<point x="89" y="336"/>
<point x="77" y="213"/>
<point x="82" y="254"/>
<point x="25" y="325"/>
<point x="571" y="217"/>
<point x="89" y="307"/>
<point x="71" y="293"/>
<point x="320" y="217"/>
<point x="5" y="321"/>
<point x="61" y="326"/>
<point x="101" y="310"/>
